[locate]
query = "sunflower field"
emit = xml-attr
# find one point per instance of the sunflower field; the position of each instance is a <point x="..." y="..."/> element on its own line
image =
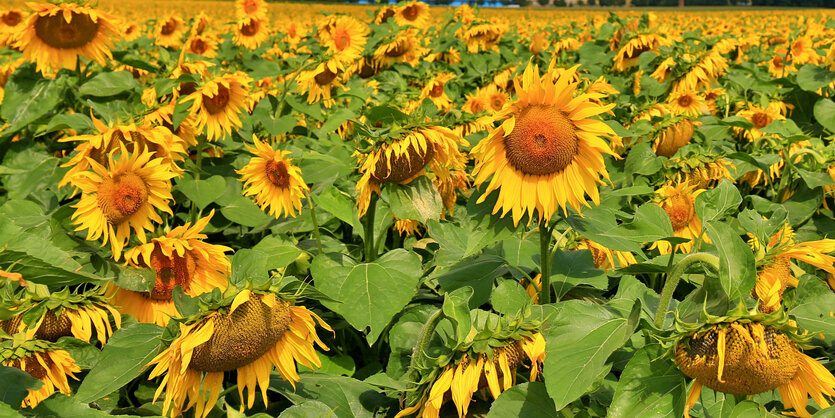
<point x="244" y="209"/>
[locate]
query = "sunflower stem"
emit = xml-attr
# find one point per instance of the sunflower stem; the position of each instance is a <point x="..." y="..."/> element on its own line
<point x="673" y="277"/>
<point x="423" y="342"/>
<point x="227" y="391"/>
<point x="545" y="262"/>
<point x="315" y="223"/>
<point x="370" y="249"/>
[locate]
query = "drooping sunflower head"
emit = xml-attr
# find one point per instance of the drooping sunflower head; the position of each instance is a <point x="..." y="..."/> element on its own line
<point x="630" y="51"/>
<point x="404" y="159"/>
<point x="63" y="314"/>
<point x="320" y="81"/>
<point x="482" y="36"/>
<point x="251" y="32"/>
<point x="548" y="151"/>
<point x="679" y="202"/>
<point x="55" y="35"/>
<point x="701" y="171"/>
<point x="43" y="360"/>
<point x="276" y="184"/>
<point x="605" y="258"/>
<point x="249" y="334"/>
<point x="169" y="32"/>
<point x="405" y="47"/>
<point x="219" y="103"/>
<point x="488" y="360"/>
<point x="200" y="24"/>
<point x="122" y="196"/>
<point x="180" y="258"/>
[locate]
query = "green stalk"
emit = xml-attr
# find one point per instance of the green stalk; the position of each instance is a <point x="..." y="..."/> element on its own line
<point x="674" y="275"/>
<point x="545" y="262"/>
<point x="368" y="224"/>
<point x="315" y="223"/>
<point x="423" y="343"/>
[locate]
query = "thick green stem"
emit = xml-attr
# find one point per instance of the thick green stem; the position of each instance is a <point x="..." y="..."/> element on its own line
<point x="315" y="223"/>
<point x="423" y="343"/>
<point x="370" y="249"/>
<point x="674" y="275"/>
<point x="545" y="262"/>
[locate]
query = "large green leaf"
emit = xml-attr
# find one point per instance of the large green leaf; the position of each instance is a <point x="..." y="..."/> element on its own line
<point x="308" y="409"/>
<point x="737" y="267"/>
<point x="650" y="386"/>
<point x="341" y="205"/>
<point x="63" y="406"/>
<point x="578" y="344"/>
<point x="418" y="200"/>
<point x="529" y="400"/>
<point x="28" y="97"/>
<point x="812" y="77"/>
<point x="812" y="306"/>
<point x="475" y="272"/>
<point x="242" y="210"/>
<point x="347" y="397"/>
<point x="279" y="253"/>
<point x="122" y="359"/>
<point x="109" y="84"/>
<point x="573" y="268"/>
<point x="14" y="385"/>
<point x="714" y="204"/>
<point x="204" y="191"/>
<point x="369" y="294"/>
<point x="825" y="114"/>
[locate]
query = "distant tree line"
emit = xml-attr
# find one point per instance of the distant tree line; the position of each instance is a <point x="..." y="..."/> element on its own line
<point x="770" y="3"/>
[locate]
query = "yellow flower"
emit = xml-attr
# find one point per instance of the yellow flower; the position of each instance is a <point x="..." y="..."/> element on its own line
<point x="55" y="35"/>
<point x="679" y="202"/>
<point x="414" y="13"/>
<point x="45" y="362"/>
<point x="170" y="31"/>
<point x="703" y="74"/>
<point x="251" y="8"/>
<point x="760" y="117"/>
<point x="272" y="178"/>
<point x="605" y="258"/>
<point x="778" y="67"/>
<point x="481" y="36"/>
<point x="74" y="317"/>
<point x="747" y="358"/>
<point x="664" y="70"/>
<point x="9" y="21"/>
<point x="346" y="39"/>
<point x="202" y="45"/>
<point x="251" y="32"/>
<point x="319" y="82"/>
<point x="123" y="195"/>
<point x="404" y="159"/>
<point x="405" y="47"/>
<point x="547" y="153"/>
<point x="180" y="258"/>
<point x="434" y="91"/>
<point x="219" y="103"/>
<point x="495" y="372"/>
<point x="627" y="55"/>
<point x="253" y="334"/>
<point x="686" y="103"/>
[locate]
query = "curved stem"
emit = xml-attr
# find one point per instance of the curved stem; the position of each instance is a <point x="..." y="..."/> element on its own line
<point x="422" y="343"/>
<point x="673" y="276"/>
<point x="370" y="250"/>
<point x="315" y="223"/>
<point x="545" y="262"/>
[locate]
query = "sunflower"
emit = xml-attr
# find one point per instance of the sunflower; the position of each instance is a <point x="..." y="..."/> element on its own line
<point x="470" y="370"/>
<point x="702" y="171"/>
<point x="760" y="118"/>
<point x="170" y="31"/>
<point x="605" y="258"/>
<point x="163" y="116"/>
<point x="44" y="361"/>
<point x="180" y="258"/>
<point x="434" y="91"/>
<point x="250" y="336"/>
<point x="802" y="51"/>
<point x="408" y="227"/>
<point x="219" y="103"/>
<point x="272" y="178"/>
<point x="539" y="42"/>
<point x="123" y="195"/>
<point x="204" y="46"/>
<point x="251" y="32"/>
<point x="778" y="67"/>
<point x="251" y="8"/>
<point x="747" y="356"/>
<point x="384" y="13"/>
<point x="413" y="13"/>
<point x="774" y="261"/>
<point x="200" y="24"/>
<point x="9" y="21"/>
<point x="131" y="32"/>
<point x="703" y="74"/>
<point x="627" y="55"/>
<point x="405" y="47"/>
<point x="76" y="315"/>
<point x="97" y="147"/>
<point x="198" y="69"/>
<point x="404" y="159"/>
<point x="319" y="82"/>
<point x="711" y="96"/>
<point x="494" y="97"/>
<point x="346" y="39"/>
<point x="664" y="70"/>
<point x="679" y="202"/>
<point x="686" y="103"/>
<point x="55" y="35"/>
<point x="482" y="36"/>
<point x="547" y="153"/>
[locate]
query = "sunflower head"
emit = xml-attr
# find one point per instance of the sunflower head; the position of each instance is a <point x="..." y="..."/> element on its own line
<point x="273" y="180"/>
<point x="43" y="360"/>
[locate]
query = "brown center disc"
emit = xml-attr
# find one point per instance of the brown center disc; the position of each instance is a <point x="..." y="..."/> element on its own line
<point x="121" y="196"/>
<point x="680" y="210"/>
<point x="277" y="173"/>
<point x="542" y="142"/>
<point x="170" y="272"/>
<point x="57" y="33"/>
<point x="250" y="28"/>
<point x="216" y="103"/>
<point x="760" y="120"/>
<point x="325" y="77"/>
<point x="169" y="27"/>
<point x="402" y="167"/>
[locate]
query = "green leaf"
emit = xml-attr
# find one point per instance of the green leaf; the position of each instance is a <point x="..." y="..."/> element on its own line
<point x="109" y="84"/>
<point x="456" y="308"/>
<point x="28" y="97"/>
<point x="824" y="111"/>
<point x="248" y="266"/>
<point x="28" y="171"/>
<point x="761" y="228"/>
<point x="418" y="200"/>
<point x="78" y="121"/>
<point x="122" y="359"/>
<point x="6" y="411"/>
<point x="814" y="179"/>
<point x="308" y="409"/>
<point x="243" y="211"/>
<point x="509" y="297"/>
<point x="642" y="160"/>
<point x="737" y="268"/>
<point x="600" y="225"/>
<point x="573" y="268"/>
<point x="650" y="223"/>
<point x="280" y="254"/>
<point x="14" y="385"/>
<point x="714" y="204"/>
<point x="650" y="386"/>
<point x="529" y="400"/>
<point x="384" y="114"/>
<point x="202" y="192"/>
<point x="371" y="293"/>
<point x="338" y="365"/>
<point x="812" y="77"/>
<point x="280" y="125"/>
<point x="340" y="205"/>
<point x="813" y="305"/>
<point x="64" y="406"/>
<point x="136" y="279"/>
<point x="581" y="338"/>
<point x="347" y="397"/>
<point x="475" y="272"/>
